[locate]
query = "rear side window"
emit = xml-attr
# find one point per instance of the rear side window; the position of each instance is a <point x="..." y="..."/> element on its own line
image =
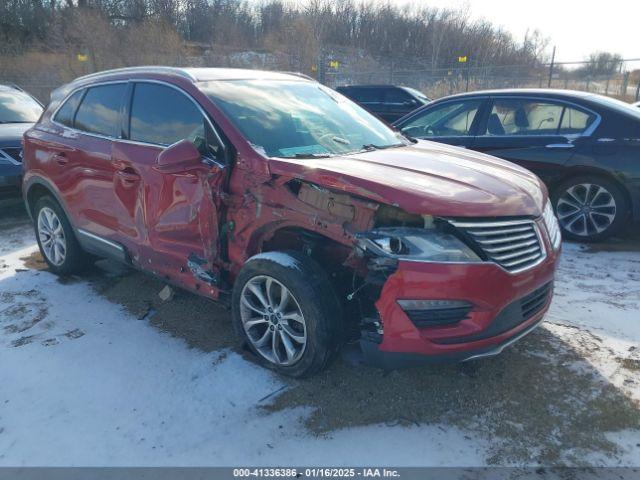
<point x="365" y="95"/>
<point x="397" y="95"/>
<point x="67" y="111"/>
<point x="163" y="116"/>
<point x="575" y="121"/>
<point x="99" y="111"/>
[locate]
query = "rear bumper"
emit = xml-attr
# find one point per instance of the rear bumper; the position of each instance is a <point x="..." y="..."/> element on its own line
<point x="498" y="318"/>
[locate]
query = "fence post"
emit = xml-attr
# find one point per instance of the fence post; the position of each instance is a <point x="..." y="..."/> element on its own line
<point x="638" y="91"/>
<point x="625" y="84"/>
<point x="553" y="59"/>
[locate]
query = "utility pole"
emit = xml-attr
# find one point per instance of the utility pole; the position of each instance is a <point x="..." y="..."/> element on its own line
<point x="553" y="59"/>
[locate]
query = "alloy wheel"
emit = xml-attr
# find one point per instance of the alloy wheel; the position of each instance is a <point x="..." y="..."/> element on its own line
<point x="52" y="238"/>
<point x="273" y="320"/>
<point x="586" y="209"/>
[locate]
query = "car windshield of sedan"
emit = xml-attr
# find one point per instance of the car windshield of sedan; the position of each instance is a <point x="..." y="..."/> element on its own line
<point x="295" y="119"/>
<point x="18" y="107"/>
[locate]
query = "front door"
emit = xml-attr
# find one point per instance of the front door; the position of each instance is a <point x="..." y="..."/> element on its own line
<point x="453" y="122"/>
<point x="176" y="214"/>
<point x="539" y="134"/>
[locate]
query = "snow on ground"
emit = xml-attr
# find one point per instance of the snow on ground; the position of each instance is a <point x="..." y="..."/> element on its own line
<point x="83" y="381"/>
<point x="86" y="384"/>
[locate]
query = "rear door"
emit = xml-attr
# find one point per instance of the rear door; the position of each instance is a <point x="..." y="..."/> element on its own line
<point x="539" y="134"/>
<point x="84" y="171"/>
<point x="176" y="214"/>
<point x="454" y="122"/>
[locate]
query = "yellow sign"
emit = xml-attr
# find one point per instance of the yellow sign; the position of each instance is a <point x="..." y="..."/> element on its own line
<point x="334" y="64"/>
<point x="82" y="58"/>
<point x="314" y="68"/>
<point x="462" y="59"/>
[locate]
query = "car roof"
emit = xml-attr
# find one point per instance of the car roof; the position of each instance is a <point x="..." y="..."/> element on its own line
<point x="369" y="86"/>
<point x="549" y="92"/>
<point x="195" y="74"/>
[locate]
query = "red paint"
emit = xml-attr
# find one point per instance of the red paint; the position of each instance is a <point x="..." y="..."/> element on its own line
<point x="163" y="206"/>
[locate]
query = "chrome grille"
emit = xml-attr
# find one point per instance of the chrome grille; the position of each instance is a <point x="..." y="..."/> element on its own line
<point x="513" y="244"/>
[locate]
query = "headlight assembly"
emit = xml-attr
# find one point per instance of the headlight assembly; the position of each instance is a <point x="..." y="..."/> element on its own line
<point x="416" y="244"/>
<point x="553" y="228"/>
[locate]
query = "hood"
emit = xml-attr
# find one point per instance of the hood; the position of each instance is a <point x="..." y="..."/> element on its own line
<point x="427" y="178"/>
<point x="11" y="133"/>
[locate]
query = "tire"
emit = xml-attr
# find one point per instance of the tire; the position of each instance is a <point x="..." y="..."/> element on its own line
<point x="52" y="224"/>
<point x="310" y="293"/>
<point x="590" y="208"/>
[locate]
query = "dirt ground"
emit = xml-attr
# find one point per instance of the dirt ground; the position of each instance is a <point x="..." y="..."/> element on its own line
<point x="541" y="401"/>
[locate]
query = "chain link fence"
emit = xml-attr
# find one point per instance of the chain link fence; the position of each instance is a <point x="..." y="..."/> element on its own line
<point x="622" y="83"/>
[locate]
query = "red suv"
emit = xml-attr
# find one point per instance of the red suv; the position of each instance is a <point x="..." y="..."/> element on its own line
<point x="318" y="223"/>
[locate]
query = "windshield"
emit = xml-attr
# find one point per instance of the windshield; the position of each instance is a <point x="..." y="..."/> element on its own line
<point x="299" y="119"/>
<point x="18" y="107"/>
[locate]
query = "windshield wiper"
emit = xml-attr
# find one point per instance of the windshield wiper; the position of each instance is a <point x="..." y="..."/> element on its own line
<point x="307" y="155"/>
<point x="370" y="146"/>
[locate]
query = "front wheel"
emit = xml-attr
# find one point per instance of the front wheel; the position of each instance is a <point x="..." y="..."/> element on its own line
<point x="286" y="310"/>
<point x="590" y="208"/>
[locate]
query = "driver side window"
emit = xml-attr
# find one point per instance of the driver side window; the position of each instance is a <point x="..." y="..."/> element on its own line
<point x="449" y="119"/>
<point x="161" y="115"/>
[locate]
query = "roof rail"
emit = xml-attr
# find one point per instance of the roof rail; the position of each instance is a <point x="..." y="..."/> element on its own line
<point x="144" y="69"/>
<point x="301" y="75"/>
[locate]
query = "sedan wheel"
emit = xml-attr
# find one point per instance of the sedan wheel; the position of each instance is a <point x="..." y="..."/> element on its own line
<point x="590" y="208"/>
<point x="273" y="320"/>
<point x="52" y="238"/>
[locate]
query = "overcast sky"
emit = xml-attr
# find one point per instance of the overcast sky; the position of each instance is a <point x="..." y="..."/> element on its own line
<point x="576" y="27"/>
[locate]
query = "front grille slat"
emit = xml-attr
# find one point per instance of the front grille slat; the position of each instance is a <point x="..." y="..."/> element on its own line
<point x="519" y="253"/>
<point x="513" y="244"/>
<point x="499" y="232"/>
<point x="494" y="241"/>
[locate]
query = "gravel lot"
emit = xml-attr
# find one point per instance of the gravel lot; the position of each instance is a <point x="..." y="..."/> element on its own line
<point x="112" y="375"/>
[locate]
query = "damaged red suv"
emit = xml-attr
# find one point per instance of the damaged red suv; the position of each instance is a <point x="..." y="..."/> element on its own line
<point x="315" y="221"/>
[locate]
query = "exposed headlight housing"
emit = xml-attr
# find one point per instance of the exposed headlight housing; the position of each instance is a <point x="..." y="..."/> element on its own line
<point x="417" y="244"/>
<point x="553" y="228"/>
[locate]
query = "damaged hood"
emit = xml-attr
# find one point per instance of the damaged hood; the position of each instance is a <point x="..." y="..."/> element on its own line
<point x="427" y="178"/>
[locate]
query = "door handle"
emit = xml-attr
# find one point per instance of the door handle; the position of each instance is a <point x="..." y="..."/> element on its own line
<point x="61" y="159"/>
<point x="560" y="145"/>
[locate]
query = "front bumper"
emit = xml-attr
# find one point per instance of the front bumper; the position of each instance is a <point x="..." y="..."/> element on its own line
<point x="496" y="320"/>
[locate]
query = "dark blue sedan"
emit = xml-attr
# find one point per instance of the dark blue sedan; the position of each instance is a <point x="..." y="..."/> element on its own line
<point x="18" y="112"/>
<point x="585" y="147"/>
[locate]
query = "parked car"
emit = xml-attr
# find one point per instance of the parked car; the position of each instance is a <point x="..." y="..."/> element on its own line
<point x="313" y="219"/>
<point x="387" y="102"/>
<point x="584" y="146"/>
<point x="18" y="112"/>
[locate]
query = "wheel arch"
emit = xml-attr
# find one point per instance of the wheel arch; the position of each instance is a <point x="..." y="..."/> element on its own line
<point x="37" y="187"/>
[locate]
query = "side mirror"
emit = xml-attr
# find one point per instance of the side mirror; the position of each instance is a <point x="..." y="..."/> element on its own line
<point x="179" y="157"/>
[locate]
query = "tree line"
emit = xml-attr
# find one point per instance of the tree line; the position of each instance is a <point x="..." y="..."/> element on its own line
<point x="308" y="32"/>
